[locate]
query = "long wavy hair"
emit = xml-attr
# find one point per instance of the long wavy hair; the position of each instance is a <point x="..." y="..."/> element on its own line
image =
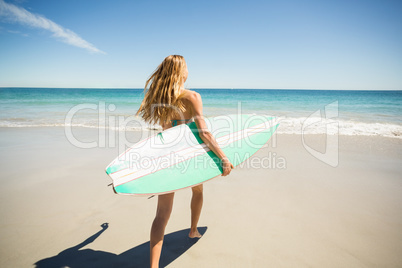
<point x="162" y="101"/>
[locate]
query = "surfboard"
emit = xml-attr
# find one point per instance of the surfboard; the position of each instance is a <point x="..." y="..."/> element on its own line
<point x="177" y="158"/>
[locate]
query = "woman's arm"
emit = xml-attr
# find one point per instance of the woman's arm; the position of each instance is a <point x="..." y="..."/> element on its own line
<point x="205" y="134"/>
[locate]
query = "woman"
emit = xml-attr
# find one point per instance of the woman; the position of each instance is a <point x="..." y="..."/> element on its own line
<point x="167" y="103"/>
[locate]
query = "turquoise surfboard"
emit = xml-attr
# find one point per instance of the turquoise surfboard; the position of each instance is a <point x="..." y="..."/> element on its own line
<point x="177" y="158"/>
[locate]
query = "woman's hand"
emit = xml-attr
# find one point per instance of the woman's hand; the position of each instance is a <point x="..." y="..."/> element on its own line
<point x="226" y="166"/>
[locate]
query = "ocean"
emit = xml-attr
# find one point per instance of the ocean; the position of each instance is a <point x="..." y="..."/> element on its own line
<point x="349" y="112"/>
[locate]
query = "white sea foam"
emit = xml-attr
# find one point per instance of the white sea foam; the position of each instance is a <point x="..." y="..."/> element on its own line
<point x="335" y="126"/>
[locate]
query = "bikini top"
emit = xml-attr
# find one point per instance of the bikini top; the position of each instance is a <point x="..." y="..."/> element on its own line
<point x="174" y="122"/>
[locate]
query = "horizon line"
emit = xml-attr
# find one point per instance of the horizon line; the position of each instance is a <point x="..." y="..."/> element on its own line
<point x="227" y="88"/>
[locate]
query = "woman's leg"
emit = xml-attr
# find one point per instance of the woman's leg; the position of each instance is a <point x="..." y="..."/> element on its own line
<point x="196" y="205"/>
<point x="165" y="204"/>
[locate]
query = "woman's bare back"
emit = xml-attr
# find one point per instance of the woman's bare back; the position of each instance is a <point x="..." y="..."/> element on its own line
<point x="187" y="115"/>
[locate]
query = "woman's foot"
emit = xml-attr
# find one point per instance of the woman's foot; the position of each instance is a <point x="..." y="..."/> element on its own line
<point x="194" y="234"/>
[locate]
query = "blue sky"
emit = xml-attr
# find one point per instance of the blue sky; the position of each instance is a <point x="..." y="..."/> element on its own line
<point x="353" y="44"/>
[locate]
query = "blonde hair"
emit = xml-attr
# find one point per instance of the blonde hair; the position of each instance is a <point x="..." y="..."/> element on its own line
<point x="162" y="100"/>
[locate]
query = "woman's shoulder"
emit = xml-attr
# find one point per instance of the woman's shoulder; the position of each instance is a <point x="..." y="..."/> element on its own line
<point x="191" y="95"/>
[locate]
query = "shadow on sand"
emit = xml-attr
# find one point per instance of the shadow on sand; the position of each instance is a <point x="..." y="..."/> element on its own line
<point x="174" y="245"/>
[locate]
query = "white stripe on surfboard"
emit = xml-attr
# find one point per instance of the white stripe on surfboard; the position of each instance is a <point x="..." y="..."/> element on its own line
<point x="154" y="154"/>
<point x="121" y="158"/>
<point x="185" y="154"/>
<point x="183" y="151"/>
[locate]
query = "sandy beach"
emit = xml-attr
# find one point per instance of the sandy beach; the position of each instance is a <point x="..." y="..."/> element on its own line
<point x="83" y="81"/>
<point x="58" y="211"/>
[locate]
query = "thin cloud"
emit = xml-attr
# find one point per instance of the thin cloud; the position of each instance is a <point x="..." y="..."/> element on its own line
<point x="21" y="15"/>
<point x="18" y="32"/>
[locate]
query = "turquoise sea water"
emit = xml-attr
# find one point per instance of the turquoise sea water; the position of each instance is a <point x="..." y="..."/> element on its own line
<point x="359" y="112"/>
